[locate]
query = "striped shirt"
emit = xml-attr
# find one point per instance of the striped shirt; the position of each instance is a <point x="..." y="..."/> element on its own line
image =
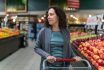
<point x="57" y="46"/>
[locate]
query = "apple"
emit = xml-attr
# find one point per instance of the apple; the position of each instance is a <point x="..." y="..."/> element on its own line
<point x="95" y="50"/>
<point x="101" y="56"/>
<point x="92" y="54"/>
<point x="88" y="52"/>
<point x="100" y="68"/>
<point x="101" y="62"/>
<point x="89" y="57"/>
<point x="80" y="48"/>
<point x="96" y="65"/>
<point x="93" y="62"/>
<point x="85" y="54"/>
<point x="96" y="57"/>
<point x="91" y="48"/>
<point x="82" y="52"/>
<point x="85" y="48"/>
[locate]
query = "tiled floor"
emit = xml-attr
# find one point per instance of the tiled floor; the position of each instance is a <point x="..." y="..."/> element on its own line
<point x="23" y="59"/>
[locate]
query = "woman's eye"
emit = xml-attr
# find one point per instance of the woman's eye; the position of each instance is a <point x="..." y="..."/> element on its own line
<point x="51" y="14"/>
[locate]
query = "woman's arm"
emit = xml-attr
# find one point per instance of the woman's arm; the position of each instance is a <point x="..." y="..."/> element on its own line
<point x="70" y="47"/>
<point x="38" y="47"/>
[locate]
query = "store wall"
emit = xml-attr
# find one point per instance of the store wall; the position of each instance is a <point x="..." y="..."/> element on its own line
<point x="38" y="5"/>
<point x="91" y="4"/>
<point x="61" y="3"/>
<point x="2" y="5"/>
<point x="33" y="5"/>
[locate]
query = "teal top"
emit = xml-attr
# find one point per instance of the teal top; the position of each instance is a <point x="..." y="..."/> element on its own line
<point x="57" y="45"/>
<point x="57" y="38"/>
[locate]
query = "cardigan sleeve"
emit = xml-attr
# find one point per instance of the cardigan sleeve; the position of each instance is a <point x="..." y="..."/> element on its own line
<point x="70" y="48"/>
<point x="38" y="47"/>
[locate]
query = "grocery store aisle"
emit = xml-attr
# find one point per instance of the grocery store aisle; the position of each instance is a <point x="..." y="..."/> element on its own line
<point x="23" y="59"/>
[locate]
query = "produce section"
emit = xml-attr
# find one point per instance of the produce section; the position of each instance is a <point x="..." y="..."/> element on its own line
<point x="7" y="32"/>
<point x="80" y="35"/>
<point x="10" y="41"/>
<point x="91" y="49"/>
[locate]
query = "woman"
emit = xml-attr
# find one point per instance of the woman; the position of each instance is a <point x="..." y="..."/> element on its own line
<point x="53" y="40"/>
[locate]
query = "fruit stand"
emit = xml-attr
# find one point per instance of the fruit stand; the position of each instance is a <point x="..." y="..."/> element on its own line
<point x="91" y="49"/>
<point x="79" y="54"/>
<point x="9" y="45"/>
<point x="10" y="41"/>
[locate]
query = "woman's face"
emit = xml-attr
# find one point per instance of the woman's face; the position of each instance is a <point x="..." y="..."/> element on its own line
<point x="52" y="17"/>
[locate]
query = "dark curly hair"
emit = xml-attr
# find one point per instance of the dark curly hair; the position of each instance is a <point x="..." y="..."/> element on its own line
<point x="61" y="15"/>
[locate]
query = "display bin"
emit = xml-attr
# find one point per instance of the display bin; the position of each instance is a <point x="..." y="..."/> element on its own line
<point x="9" y="45"/>
<point x="79" y="54"/>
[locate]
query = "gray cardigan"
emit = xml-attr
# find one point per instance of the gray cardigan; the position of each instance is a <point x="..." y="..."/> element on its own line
<point x="42" y="46"/>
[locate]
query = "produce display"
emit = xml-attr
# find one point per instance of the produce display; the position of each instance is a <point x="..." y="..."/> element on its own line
<point x="93" y="50"/>
<point x="77" y="33"/>
<point x="80" y="35"/>
<point x="7" y="32"/>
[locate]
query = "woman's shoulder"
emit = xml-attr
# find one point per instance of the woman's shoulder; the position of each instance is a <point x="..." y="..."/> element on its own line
<point x="43" y="29"/>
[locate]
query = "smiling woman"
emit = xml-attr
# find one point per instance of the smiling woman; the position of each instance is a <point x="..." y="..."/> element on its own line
<point x="16" y="5"/>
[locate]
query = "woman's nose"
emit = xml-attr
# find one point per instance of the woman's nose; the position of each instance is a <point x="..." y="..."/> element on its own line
<point x="48" y="17"/>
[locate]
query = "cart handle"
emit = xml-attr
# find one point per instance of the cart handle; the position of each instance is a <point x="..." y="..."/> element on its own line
<point x="65" y="60"/>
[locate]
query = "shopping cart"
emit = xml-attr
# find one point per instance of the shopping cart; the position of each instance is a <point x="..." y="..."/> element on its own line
<point x="70" y="67"/>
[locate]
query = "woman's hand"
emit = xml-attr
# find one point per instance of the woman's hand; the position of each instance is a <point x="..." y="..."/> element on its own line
<point x="51" y="59"/>
<point x="77" y="58"/>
